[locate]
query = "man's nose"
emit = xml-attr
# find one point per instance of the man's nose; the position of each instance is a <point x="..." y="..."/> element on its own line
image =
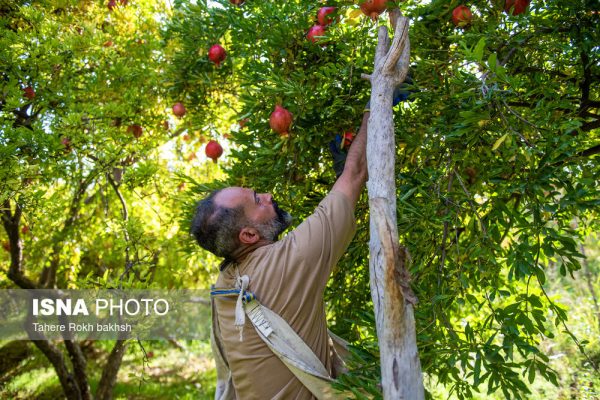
<point x="267" y="198"/>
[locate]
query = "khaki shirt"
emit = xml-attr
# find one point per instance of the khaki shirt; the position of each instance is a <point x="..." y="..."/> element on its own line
<point x="289" y="277"/>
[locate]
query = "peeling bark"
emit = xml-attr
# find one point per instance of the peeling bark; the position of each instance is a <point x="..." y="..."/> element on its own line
<point x="392" y="298"/>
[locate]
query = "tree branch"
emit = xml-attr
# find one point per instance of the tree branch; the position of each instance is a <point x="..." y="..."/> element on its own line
<point x="590" y="126"/>
<point x="397" y="48"/>
<point x="48" y="276"/>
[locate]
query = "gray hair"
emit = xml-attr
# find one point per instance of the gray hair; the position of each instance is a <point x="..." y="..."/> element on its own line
<point x="216" y="228"/>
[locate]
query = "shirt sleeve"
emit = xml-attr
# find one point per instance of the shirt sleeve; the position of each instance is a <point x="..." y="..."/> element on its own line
<point x="316" y="245"/>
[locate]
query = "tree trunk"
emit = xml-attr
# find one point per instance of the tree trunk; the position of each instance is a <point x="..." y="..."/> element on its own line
<point x="392" y="298"/>
<point x="110" y="371"/>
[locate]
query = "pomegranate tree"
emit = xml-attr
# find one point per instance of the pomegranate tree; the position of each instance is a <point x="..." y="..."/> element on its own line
<point x="217" y="54"/>
<point x="179" y="109"/>
<point x="213" y="150"/>
<point x="372" y="8"/>
<point x="462" y="16"/>
<point x="322" y="15"/>
<point x="280" y="120"/>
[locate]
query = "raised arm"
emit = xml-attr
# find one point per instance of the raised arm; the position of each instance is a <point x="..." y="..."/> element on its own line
<point x="354" y="176"/>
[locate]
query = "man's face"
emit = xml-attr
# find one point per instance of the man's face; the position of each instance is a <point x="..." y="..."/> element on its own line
<point x="261" y="210"/>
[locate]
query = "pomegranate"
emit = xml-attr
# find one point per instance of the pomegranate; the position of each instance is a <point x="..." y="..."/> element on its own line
<point x="462" y="16"/>
<point x="179" y="109"/>
<point x="186" y="137"/>
<point x="112" y="4"/>
<point x="372" y="8"/>
<point x="6" y="245"/>
<point x="216" y="54"/>
<point x="515" y="7"/>
<point x="237" y="2"/>
<point x="280" y="120"/>
<point x="347" y="140"/>
<point x="242" y="122"/>
<point x="65" y="141"/>
<point x="29" y="92"/>
<point x="108" y="43"/>
<point x="25" y="229"/>
<point x="322" y="17"/>
<point x="135" y="130"/>
<point x="213" y="150"/>
<point x="315" y="33"/>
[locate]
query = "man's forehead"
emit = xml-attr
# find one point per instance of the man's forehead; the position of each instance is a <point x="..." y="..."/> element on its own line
<point x="232" y="197"/>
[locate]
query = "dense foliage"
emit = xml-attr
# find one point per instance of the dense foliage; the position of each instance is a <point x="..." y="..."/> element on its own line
<point x="497" y="149"/>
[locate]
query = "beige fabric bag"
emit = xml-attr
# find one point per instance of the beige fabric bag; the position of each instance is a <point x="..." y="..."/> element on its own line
<point x="289" y="347"/>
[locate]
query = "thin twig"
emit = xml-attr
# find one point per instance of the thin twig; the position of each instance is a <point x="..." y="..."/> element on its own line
<point x="462" y="184"/>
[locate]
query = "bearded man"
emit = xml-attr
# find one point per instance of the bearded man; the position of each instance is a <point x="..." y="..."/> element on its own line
<point x="288" y="275"/>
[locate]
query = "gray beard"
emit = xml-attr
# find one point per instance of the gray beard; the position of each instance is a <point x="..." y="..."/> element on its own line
<point x="271" y="230"/>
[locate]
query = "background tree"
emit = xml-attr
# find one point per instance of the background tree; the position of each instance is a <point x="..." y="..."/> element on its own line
<point x="84" y="116"/>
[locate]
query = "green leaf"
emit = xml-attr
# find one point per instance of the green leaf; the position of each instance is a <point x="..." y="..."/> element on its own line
<point x="492" y="59"/>
<point x="499" y="141"/>
<point x="531" y="373"/>
<point x="478" y="52"/>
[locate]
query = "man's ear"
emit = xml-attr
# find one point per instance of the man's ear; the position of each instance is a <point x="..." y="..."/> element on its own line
<point x="248" y="235"/>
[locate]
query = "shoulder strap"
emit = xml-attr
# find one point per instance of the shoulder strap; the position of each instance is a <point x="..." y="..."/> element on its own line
<point x="285" y="343"/>
<point x="224" y="389"/>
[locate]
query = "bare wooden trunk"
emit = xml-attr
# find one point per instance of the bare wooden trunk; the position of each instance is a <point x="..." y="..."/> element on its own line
<point x="392" y="298"/>
<point x="110" y="371"/>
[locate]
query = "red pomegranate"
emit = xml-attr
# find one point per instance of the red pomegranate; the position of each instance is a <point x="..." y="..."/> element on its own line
<point x="347" y="140"/>
<point x="280" y="120"/>
<point x="242" y="122"/>
<point x="372" y="8"/>
<point x="237" y="2"/>
<point x="65" y="141"/>
<point x="213" y="150"/>
<point x="462" y="16"/>
<point x="216" y="54"/>
<point x="179" y="109"/>
<point x="322" y="17"/>
<point x="515" y="7"/>
<point x="135" y="130"/>
<point x="112" y="4"/>
<point x="29" y="93"/>
<point x="25" y="229"/>
<point x="315" y="34"/>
